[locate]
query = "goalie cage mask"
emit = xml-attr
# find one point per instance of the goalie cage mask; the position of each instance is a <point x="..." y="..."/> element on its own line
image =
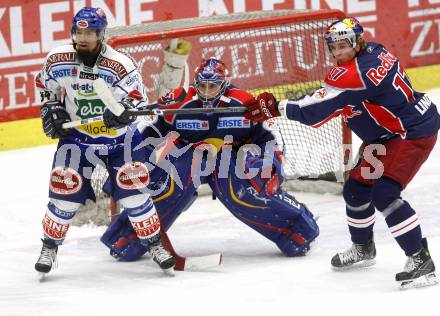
<point x="211" y="73"/>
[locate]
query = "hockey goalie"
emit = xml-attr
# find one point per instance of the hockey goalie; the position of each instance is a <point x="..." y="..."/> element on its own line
<point x="242" y="162"/>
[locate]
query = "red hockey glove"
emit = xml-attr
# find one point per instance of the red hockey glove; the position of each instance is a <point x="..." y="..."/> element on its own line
<point x="262" y="108"/>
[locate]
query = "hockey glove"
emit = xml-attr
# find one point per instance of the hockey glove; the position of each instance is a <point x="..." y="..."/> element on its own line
<point x="115" y="122"/>
<point x="269" y="177"/>
<point x="53" y="115"/>
<point x="262" y="108"/>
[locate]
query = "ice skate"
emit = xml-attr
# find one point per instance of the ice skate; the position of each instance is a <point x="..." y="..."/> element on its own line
<point x="419" y="270"/>
<point x="358" y="256"/>
<point x="162" y="257"/>
<point x="47" y="259"/>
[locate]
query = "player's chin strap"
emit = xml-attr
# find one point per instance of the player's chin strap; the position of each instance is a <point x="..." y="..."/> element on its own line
<point x="116" y="108"/>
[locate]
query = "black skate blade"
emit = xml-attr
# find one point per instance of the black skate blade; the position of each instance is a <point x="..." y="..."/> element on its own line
<point x="425" y="280"/>
<point x="358" y="265"/>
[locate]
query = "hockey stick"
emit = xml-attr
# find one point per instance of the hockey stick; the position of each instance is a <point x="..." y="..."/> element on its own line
<point x="117" y="109"/>
<point x="190" y="263"/>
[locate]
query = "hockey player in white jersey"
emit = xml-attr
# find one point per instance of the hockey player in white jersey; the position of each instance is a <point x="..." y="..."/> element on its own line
<point x="67" y="89"/>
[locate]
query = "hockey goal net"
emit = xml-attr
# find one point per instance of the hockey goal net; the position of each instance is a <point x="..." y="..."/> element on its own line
<point x="278" y="51"/>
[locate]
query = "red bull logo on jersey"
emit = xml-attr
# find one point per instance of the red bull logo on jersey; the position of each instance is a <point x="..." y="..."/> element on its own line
<point x="348" y="112"/>
<point x="233" y="122"/>
<point x="192" y="125"/>
<point x="376" y="75"/>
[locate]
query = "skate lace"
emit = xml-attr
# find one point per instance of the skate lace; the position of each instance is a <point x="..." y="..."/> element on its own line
<point x="351" y="255"/>
<point x="159" y="252"/>
<point x="413" y="263"/>
<point x="48" y="257"/>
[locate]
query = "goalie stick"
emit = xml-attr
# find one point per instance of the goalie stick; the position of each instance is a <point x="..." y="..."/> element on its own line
<point x="107" y="97"/>
<point x="190" y="263"/>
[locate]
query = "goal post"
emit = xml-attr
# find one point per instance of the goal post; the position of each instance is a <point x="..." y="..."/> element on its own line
<point x="280" y="51"/>
<point x="283" y="52"/>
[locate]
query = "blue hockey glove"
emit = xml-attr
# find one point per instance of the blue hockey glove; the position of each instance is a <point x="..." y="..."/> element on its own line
<point x="269" y="177"/>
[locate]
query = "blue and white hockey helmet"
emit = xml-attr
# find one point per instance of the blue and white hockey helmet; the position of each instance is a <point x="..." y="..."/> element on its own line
<point x="348" y="29"/>
<point x="211" y="81"/>
<point x="91" y="19"/>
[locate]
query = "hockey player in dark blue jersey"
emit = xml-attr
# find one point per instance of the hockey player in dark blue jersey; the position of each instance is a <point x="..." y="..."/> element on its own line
<point x="398" y="126"/>
<point x="240" y="160"/>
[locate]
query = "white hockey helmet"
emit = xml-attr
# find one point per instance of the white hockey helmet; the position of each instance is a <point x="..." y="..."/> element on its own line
<point x="348" y="29"/>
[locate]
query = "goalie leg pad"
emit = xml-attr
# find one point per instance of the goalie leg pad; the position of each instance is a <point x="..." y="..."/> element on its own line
<point x="122" y="241"/>
<point x="296" y="241"/>
<point x="170" y="202"/>
<point x="280" y="217"/>
<point x="173" y="199"/>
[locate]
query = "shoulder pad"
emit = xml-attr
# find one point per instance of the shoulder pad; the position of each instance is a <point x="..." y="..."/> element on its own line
<point x="347" y="77"/>
<point x="61" y="54"/>
<point x="177" y="95"/>
<point x="239" y="95"/>
<point x="117" y="62"/>
<point x="371" y="46"/>
<point x="62" y="49"/>
<point x="183" y="100"/>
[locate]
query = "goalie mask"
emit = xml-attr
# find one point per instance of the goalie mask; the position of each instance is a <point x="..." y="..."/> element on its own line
<point x="348" y="29"/>
<point x="91" y="19"/>
<point x="211" y="81"/>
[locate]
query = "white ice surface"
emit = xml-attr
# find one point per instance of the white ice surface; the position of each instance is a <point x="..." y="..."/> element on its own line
<point x="254" y="278"/>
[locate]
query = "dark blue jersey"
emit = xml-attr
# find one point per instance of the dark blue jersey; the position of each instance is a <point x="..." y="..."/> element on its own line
<point x="213" y="128"/>
<point x="375" y="97"/>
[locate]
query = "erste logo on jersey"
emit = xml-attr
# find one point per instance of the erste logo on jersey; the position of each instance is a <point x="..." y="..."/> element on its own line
<point x="233" y="122"/>
<point x="192" y="125"/>
<point x="376" y="75"/>
<point x="64" y="72"/>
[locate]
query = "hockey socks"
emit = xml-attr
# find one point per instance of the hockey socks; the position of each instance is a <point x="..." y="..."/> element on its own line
<point x="56" y="222"/>
<point x="146" y="224"/>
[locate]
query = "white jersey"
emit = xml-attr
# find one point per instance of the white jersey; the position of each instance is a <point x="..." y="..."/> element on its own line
<point x="64" y="77"/>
